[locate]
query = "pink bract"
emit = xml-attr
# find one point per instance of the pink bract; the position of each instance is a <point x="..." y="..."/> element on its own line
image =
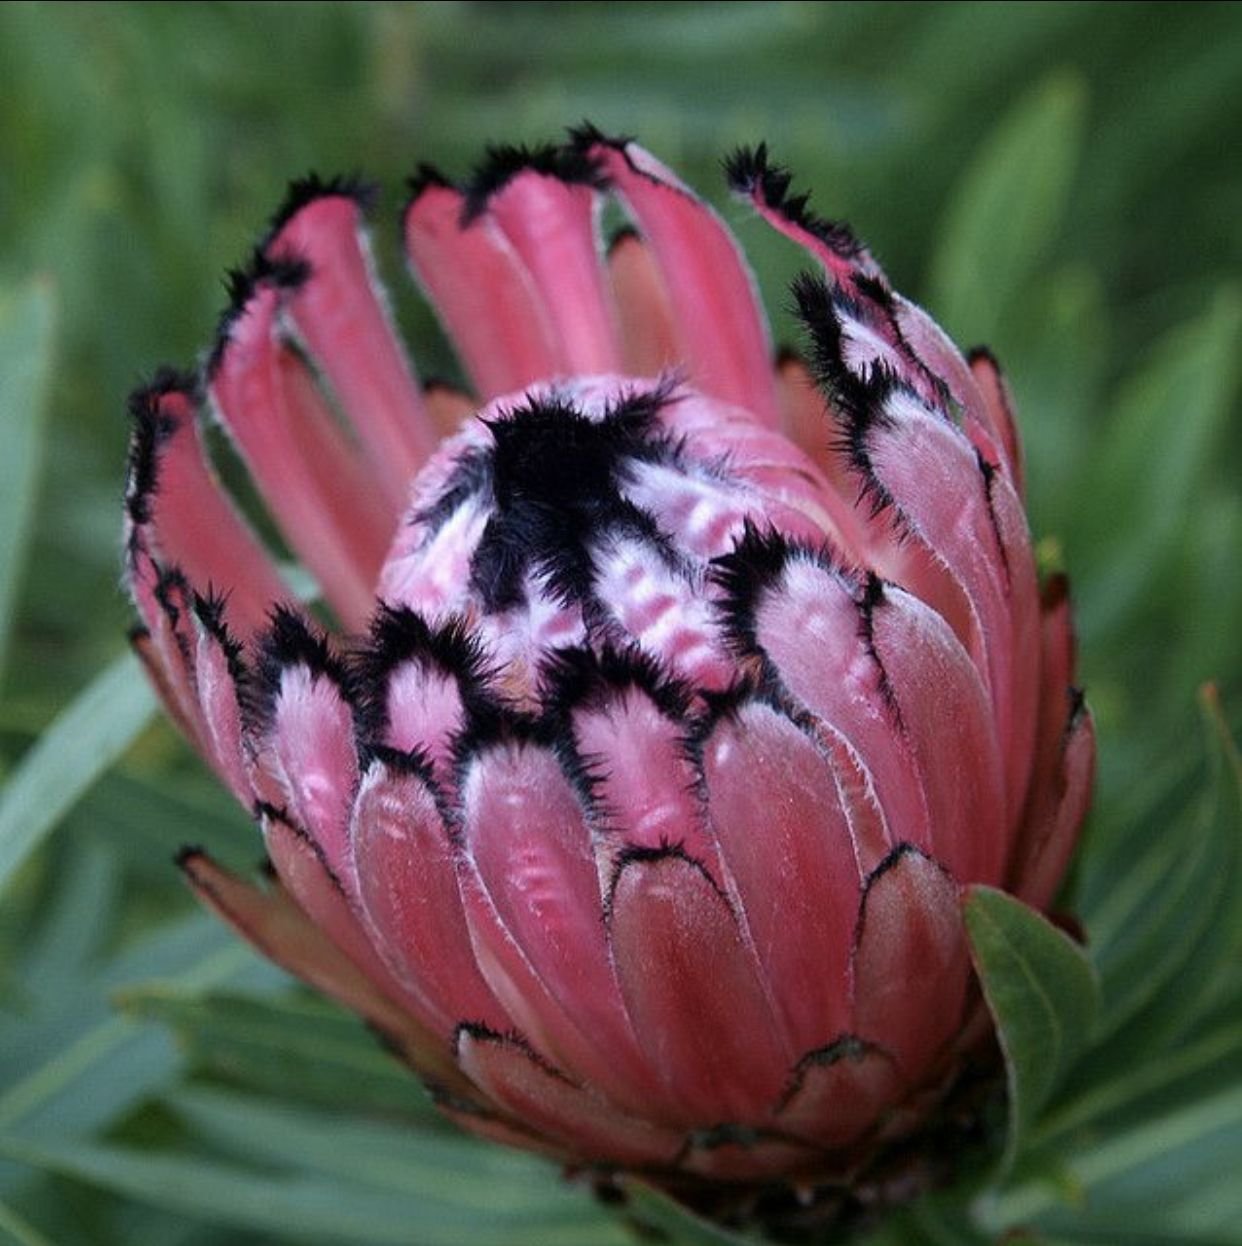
<point x="673" y="693"/>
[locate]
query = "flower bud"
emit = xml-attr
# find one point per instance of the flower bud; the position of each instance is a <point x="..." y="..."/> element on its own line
<point x="671" y="695"/>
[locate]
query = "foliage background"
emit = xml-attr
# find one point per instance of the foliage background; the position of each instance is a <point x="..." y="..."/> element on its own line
<point x="1058" y="179"/>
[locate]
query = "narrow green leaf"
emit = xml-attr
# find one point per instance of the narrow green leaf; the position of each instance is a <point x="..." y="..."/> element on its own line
<point x="1216" y="941"/>
<point x="443" y="1167"/>
<point x="1042" y="993"/>
<point x="286" y="1045"/>
<point x="1192" y="1070"/>
<point x="1160" y="440"/>
<point x="1007" y="209"/>
<point x="14" y="1229"/>
<point x="299" y="1208"/>
<point x="77" y="921"/>
<point x="85" y="1065"/>
<point x="85" y="739"/>
<point x="1054" y="351"/>
<point x="27" y="317"/>
<point x="1176" y="923"/>
<point x="1127" y="1155"/>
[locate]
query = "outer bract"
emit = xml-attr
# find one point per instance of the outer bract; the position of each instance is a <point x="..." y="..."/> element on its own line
<point x="672" y="696"/>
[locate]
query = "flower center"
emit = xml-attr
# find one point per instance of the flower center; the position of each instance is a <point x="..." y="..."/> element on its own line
<point x="590" y="513"/>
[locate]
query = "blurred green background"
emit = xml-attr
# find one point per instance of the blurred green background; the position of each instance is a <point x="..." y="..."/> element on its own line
<point x="1060" y="180"/>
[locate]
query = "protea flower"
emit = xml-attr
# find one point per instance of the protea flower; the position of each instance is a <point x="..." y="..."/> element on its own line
<point x="671" y="695"/>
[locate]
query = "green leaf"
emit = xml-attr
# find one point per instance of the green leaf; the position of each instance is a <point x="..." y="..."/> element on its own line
<point x="1007" y="209"/>
<point x="1042" y="993"/>
<point x="1161" y="436"/>
<point x="81" y="1065"/>
<point x="294" y="1045"/>
<point x="1138" y="1089"/>
<point x="1132" y="1180"/>
<point x="444" y="1167"/>
<point x="27" y="317"/>
<point x="14" y="1229"/>
<point x="1215" y="940"/>
<point x="657" y="1212"/>
<point x="69" y="939"/>
<point x="1173" y="922"/>
<point x="310" y="1208"/>
<point x="85" y="739"/>
<point x="1054" y="349"/>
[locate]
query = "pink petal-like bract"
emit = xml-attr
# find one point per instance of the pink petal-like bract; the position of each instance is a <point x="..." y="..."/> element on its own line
<point x="666" y="693"/>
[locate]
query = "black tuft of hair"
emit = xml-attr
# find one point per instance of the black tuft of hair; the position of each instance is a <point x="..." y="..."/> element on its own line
<point x="859" y="402"/>
<point x="188" y="853"/>
<point x="286" y="272"/>
<point x="556" y="477"/>
<point x="756" y="561"/>
<point x="988" y="471"/>
<point x="587" y="138"/>
<point x="869" y="600"/>
<point x="984" y="353"/>
<point x="1077" y="699"/>
<point x="492" y="724"/>
<point x="749" y="172"/>
<point x="471" y="475"/>
<point x="820" y="310"/>
<point x="153" y="425"/>
<point x="306" y="190"/>
<point x="639" y="855"/>
<point x="291" y="640"/>
<point x="424" y="177"/>
<point x="583" y="677"/>
<point x="413" y="762"/>
<point x="891" y="860"/>
<point x="568" y="163"/>
<point x="846" y="1046"/>
<point x="399" y="635"/>
<point x="262" y="812"/>
<point x="174" y="596"/>
<point x="209" y="610"/>
<point x="586" y="135"/>
<point x="164" y="382"/>
<point x="722" y="704"/>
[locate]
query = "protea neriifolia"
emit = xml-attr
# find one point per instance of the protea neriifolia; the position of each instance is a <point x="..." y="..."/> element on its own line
<point x="670" y="699"/>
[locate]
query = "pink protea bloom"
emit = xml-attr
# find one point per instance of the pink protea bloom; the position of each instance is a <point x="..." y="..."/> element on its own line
<point x="673" y="695"/>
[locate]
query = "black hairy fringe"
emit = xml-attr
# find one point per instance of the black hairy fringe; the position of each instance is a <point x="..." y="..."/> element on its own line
<point x="153" y="425"/>
<point x="291" y="640"/>
<point x="400" y="635"/>
<point x="584" y="677"/>
<point x="209" y="609"/>
<point x="555" y="482"/>
<point x="304" y="191"/>
<point x="637" y="856"/>
<point x="749" y="172"/>
<point x="284" y="273"/>
<point x="567" y="163"/>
